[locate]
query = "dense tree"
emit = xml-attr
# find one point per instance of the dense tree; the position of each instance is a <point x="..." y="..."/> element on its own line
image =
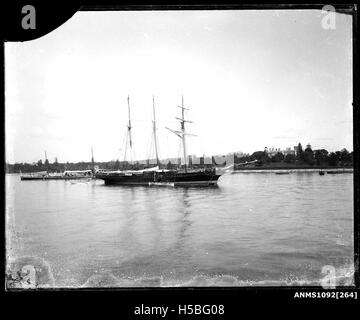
<point x="170" y="166"/>
<point x="321" y="156"/>
<point x="260" y="156"/>
<point x="300" y="153"/>
<point x="289" y="158"/>
<point x="259" y="163"/>
<point x="309" y="156"/>
<point x="345" y="156"/>
<point x="278" y="157"/>
<point x="333" y="159"/>
<point x="338" y="155"/>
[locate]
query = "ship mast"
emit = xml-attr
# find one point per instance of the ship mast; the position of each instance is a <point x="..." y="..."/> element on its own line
<point x="182" y="121"/>
<point x="128" y="136"/>
<point x="181" y="134"/>
<point x="92" y="159"/>
<point x="154" y="133"/>
<point x="46" y="162"/>
<point x="129" y="125"/>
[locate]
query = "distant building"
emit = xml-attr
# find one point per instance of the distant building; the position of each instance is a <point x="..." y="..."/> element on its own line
<point x="273" y="151"/>
<point x="239" y="154"/>
<point x="296" y="149"/>
<point x="195" y="159"/>
<point x="289" y="151"/>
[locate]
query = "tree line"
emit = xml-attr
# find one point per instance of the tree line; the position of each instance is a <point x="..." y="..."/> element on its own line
<point x="306" y="157"/>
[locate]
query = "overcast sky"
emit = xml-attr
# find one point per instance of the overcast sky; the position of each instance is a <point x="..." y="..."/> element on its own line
<point x="250" y="78"/>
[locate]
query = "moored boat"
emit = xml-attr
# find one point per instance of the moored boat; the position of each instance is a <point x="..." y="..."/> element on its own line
<point x="158" y="177"/>
<point x="66" y="175"/>
<point x="336" y="172"/>
<point x="161" y="177"/>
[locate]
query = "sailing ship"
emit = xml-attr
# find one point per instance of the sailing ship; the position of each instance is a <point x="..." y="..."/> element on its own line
<point x="183" y="176"/>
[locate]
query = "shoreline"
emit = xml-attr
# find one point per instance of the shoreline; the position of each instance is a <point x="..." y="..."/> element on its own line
<point x="289" y="170"/>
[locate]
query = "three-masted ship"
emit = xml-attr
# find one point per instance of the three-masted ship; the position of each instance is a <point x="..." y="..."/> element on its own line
<point x="183" y="176"/>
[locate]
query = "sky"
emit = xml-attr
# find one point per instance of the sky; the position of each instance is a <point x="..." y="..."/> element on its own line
<point x="251" y="79"/>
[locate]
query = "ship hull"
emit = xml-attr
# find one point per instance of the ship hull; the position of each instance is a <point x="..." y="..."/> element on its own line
<point x="169" y="178"/>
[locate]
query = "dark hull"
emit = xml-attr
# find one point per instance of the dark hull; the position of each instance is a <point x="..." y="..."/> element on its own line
<point x="170" y="178"/>
<point x="336" y="172"/>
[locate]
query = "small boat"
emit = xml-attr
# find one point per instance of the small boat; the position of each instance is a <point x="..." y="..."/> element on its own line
<point x="321" y="173"/>
<point x="282" y="172"/>
<point x="33" y="175"/>
<point x="66" y="175"/>
<point x="334" y="172"/>
<point x="77" y="174"/>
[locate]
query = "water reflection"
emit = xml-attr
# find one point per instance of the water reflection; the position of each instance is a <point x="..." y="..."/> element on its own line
<point x="185" y="222"/>
<point x="278" y="225"/>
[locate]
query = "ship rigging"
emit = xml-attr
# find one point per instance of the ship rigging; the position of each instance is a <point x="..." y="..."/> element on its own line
<point x="155" y="175"/>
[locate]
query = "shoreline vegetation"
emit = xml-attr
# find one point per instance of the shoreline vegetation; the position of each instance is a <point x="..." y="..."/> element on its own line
<point x="272" y="169"/>
<point x="297" y="159"/>
<point x="296" y="168"/>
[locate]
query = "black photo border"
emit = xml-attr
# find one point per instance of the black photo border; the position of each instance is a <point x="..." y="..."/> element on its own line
<point x="50" y="17"/>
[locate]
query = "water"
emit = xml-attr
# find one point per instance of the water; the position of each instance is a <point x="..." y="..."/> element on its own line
<point x="254" y="229"/>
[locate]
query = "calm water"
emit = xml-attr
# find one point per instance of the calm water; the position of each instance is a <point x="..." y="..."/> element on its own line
<point x="254" y="229"/>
